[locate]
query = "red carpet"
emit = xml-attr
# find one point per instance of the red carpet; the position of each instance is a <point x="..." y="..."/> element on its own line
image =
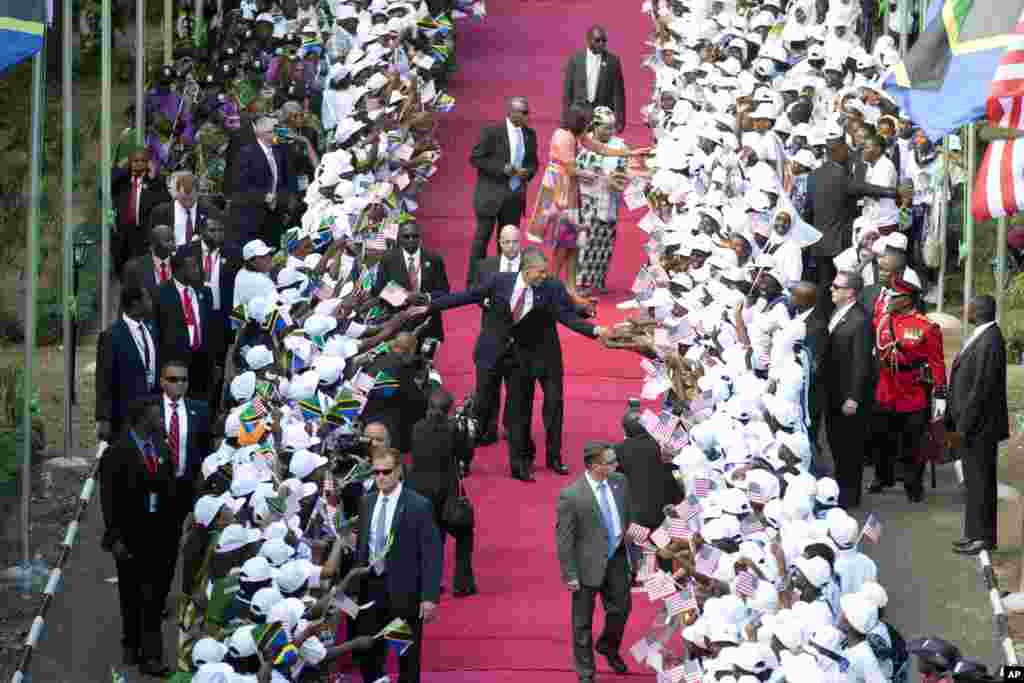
<point x="520" y="620"/>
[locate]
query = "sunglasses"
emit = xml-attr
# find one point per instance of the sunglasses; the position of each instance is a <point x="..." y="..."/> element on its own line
<point x="382" y="473"/>
<point x="176" y="380"/>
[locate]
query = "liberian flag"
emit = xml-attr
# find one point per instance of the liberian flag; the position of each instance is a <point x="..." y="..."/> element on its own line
<point x="999" y="190"/>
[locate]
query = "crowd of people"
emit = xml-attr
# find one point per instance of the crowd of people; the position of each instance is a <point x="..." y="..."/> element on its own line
<point x="793" y="229"/>
<point x="277" y="427"/>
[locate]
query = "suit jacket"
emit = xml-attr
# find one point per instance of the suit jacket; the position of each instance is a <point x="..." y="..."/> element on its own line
<point x="121" y="374"/>
<point x="534" y="338"/>
<point x="154" y="192"/>
<point x="816" y="339"/>
<point x="415" y="558"/>
<point x="200" y="443"/>
<point x="255" y="177"/>
<point x="640" y="462"/>
<point x="848" y="369"/>
<point x="490" y="156"/>
<point x="433" y="280"/>
<point x="401" y="410"/>
<point x="238" y="139"/>
<point x="435" y="452"/>
<point x="580" y="533"/>
<point x="173" y="333"/>
<point x="221" y="327"/>
<point x="977" y="390"/>
<point x="125" y="488"/>
<point x="833" y="193"/>
<point x="163" y="214"/>
<point x="140" y="271"/>
<point x="611" y="89"/>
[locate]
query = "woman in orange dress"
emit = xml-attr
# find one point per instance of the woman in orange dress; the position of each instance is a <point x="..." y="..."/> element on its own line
<point x="556" y="217"/>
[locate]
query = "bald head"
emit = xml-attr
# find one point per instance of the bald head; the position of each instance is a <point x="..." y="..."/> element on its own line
<point x="508" y="242"/>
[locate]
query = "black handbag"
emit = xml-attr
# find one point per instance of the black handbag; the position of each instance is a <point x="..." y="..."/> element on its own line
<point x="458" y="508"/>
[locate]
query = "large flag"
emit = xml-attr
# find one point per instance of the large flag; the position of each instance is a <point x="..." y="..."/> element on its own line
<point x="999" y="190"/>
<point x="944" y="80"/>
<point x="22" y="23"/>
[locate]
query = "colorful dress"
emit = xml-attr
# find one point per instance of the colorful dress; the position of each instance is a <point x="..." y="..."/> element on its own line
<point x="599" y="212"/>
<point x="556" y="213"/>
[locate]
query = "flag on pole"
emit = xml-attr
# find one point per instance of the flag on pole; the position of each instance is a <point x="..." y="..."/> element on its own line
<point x="680" y="528"/>
<point x="999" y="190"/>
<point x="22" y="27"/>
<point x="702" y="487"/>
<point x="397" y="635"/>
<point x="707" y="559"/>
<point x="679" y="602"/>
<point x="872" y="528"/>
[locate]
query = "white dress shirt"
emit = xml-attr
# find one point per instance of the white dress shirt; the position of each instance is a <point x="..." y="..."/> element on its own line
<point x="182" y="430"/>
<point x="413" y="261"/>
<point x="194" y="330"/>
<point x="594" y="486"/>
<point x="593" y="75"/>
<point x="144" y="343"/>
<point x="506" y="265"/>
<point x="516" y="145"/>
<point x="838" y="315"/>
<point x="273" y="163"/>
<point x="180" y="220"/>
<point x="392" y="500"/>
<point x="213" y="277"/>
<point x="521" y="286"/>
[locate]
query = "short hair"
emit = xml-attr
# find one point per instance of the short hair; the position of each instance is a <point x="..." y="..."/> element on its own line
<point x="533" y="257"/>
<point x="264" y="124"/>
<point x="985" y="308"/>
<point x="173" y="362"/>
<point x="391" y="454"/>
<point x="176" y="177"/>
<point x="874" y="137"/>
<point x="506" y="228"/>
<point x="594" y="450"/>
<point x="378" y="423"/>
<point x="576" y="119"/>
<point x="131" y="295"/>
<point x="517" y="100"/>
<point x="289" y="109"/>
<point x="853" y="280"/>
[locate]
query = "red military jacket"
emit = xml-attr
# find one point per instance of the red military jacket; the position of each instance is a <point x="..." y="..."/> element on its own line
<point x="906" y="343"/>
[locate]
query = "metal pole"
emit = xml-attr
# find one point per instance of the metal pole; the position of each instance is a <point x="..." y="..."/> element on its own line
<point x="1000" y="267"/>
<point x="140" y="72"/>
<point x="31" y="271"/>
<point x="68" y="171"/>
<point x="969" y="229"/>
<point x="106" y="165"/>
<point x="947" y="199"/>
<point x="168" y="31"/>
<point x="904" y="10"/>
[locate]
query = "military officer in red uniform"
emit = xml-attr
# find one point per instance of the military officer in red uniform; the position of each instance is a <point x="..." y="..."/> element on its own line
<point x="912" y="375"/>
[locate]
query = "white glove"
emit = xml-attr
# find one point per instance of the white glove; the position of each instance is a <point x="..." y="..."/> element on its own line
<point x="939" y="409"/>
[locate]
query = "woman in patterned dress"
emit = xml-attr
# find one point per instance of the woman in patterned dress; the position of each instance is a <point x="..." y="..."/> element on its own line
<point x="601" y="181"/>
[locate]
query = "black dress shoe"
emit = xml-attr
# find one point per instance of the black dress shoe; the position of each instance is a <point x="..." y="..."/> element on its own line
<point x="961" y="542"/>
<point x="464" y="592"/>
<point x="614" y="660"/>
<point x="558" y="467"/>
<point x="878" y="487"/>
<point x="154" y="667"/>
<point x="975" y="547"/>
<point x="129" y="656"/>
<point x="915" y="495"/>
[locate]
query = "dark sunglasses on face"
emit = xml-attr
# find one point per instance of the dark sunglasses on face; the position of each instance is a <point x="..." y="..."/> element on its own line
<point x="383" y="473"/>
<point x="176" y="380"/>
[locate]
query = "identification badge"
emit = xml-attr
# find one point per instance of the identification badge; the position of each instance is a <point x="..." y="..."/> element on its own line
<point x="153" y="503"/>
<point x="303" y="182"/>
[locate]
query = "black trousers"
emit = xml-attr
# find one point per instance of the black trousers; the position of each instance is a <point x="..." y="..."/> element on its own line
<point x="978" y="458"/>
<point x="464" y="577"/>
<point x="510" y="213"/>
<point x="488" y="395"/>
<point x="617" y="601"/>
<point x="371" y="620"/>
<point x="847" y="438"/>
<point x="898" y="435"/>
<point x="825" y="269"/>
<point x="142" y="586"/>
<point x="522" y="383"/>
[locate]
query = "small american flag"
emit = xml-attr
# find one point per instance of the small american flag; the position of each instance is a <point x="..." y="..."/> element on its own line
<point x="688" y="509"/>
<point x="637" y="533"/>
<point x="707" y="559"/>
<point x="756" y="494"/>
<point x="692" y="671"/>
<point x="660" y="537"/>
<point x="680" y="602"/>
<point x="746" y="583"/>
<point x="259" y="407"/>
<point x="659" y="586"/>
<point x="679" y="440"/>
<point x="660" y="426"/>
<point x="376" y="242"/>
<point x="751" y="525"/>
<point x="872" y="528"/>
<point x="648" y="566"/>
<point x="702" y="487"/>
<point x="680" y="528"/>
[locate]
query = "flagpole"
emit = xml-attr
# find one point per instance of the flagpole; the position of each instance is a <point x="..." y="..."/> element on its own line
<point x="947" y="201"/>
<point x="1001" y="228"/>
<point x="168" y="31"/>
<point x="68" y="169"/>
<point x="968" y="229"/>
<point x="31" y="270"/>
<point x="904" y="13"/>
<point x="106" y="165"/>
<point x="140" y="72"/>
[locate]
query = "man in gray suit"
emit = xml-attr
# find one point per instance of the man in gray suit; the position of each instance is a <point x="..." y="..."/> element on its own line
<point x="593" y="78"/>
<point x="593" y="515"/>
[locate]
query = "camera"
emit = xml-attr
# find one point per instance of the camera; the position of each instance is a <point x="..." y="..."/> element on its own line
<point x="464" y="420"/>
<point x="346" y="450"/>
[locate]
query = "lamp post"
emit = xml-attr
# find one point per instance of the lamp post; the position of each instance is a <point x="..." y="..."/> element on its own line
<point x="82" y="246"/>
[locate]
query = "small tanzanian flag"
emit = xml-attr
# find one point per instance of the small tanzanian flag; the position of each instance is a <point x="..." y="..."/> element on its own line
<point x="345" y="409"/>
<point x="384" y="385"/>
<point x="22" y="29"/>
<point x="311" y="409"/>
<point x="398" y="636"/>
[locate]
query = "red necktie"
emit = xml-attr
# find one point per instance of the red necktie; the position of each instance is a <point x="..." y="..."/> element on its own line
<point x="190" y="317"/>
<point x="131" y="214"/>
<point x="519" y="306"/>
<point x="165" y="272"/>
<point x="174" y="436"/>
<point x="414" y="275"/>
<point x="150" y="456"/>
<point x="208" y="265"/>
<point x="188" y="225"/>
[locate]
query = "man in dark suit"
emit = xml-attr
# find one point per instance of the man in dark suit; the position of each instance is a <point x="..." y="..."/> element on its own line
<point x="134" y="194"/>
<point x="400" y="542"/>
<point x="183" y="311"/>
<point x="136" y="493"/>
<point x="401" y="410"/>
<point x="593" y="78"/>
<point x="977" y="420"/>
<point x="184" y="213"/>
<point x="126" y="368"/>
<point x="263" y="188"/>
<point x="487" y="409"/>
<point x="152" y="269"/>
<point x="521" y="319"/>
<point x="419" y="271"/>
<point x="186" y="429"/>
<point x="641" y="462"/>
<point x="594" y="513"/>
<point x="848" y="383"/>
<point x="804" y="299"/>
<point x="218" y="273"/>
<point x="506" y="160"/>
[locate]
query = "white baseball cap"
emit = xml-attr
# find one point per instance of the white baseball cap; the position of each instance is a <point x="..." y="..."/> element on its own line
<point x="263" y="601"/>
<point x="255" y="248"/>
<point x="814" y="569"/>
<point x="860" y="612"/>
<point x="304" y="462"/>
<point x="255" y="569"/>
<point x="208" y="651"/>
<point x="277" y="552"/>
<point x="291" y="577"/>
<point x="235" y="536"/>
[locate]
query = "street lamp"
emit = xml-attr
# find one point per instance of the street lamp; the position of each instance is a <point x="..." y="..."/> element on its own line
<point x="82" y="245"/>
